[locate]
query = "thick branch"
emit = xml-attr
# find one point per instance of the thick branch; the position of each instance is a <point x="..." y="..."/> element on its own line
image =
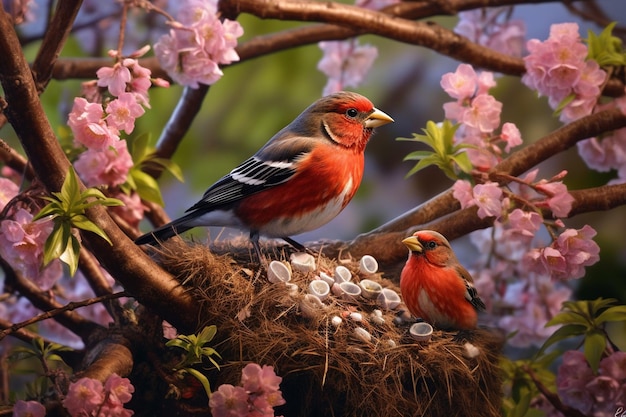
<point x="53" y="41"/>
<point x="124" y="260"/>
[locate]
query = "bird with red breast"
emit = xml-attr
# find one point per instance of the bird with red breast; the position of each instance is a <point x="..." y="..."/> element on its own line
<point x="302" y="178"/>
<point x="435" y="286"/>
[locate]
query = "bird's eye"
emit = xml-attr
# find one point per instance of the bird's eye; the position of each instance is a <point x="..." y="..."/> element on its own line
<point x="431" y="245"/>
<point x="352" y="113"/>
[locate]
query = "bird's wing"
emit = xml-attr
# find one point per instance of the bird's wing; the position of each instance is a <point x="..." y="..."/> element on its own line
<point x="274" y="164"/>
<point x="471" y="295"/>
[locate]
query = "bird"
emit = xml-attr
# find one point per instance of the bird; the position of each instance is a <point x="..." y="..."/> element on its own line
<point x="435" y="286"/>
<point x="302" y="178"/>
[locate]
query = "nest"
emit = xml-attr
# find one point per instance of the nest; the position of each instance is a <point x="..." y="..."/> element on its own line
<point x="327" y="369"/>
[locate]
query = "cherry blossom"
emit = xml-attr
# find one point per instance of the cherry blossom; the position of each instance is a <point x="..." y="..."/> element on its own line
<point x="21" y="245"/>
<point x="491" y="27"/>
<point x="229" y="401"/>
<point x="114" y="78"/>
<point x="88" y="126"/>
<point x="123" y="111"/>
<point x="557" y="68"/>
<point x="255" y="378"/>
<point x="8" y="190"/>
<point x="28" y="409"/>
<point x="104" y="167"/>
<point x="462" y="83"/>
<point x="84" y="397"/>
<point x="193" y="49"/>
<point x="345" y="63"/>
<point x="488" y="199"/>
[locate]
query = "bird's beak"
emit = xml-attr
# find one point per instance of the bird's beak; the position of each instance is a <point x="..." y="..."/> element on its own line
<point x="413" y="244"/>
<point x="377" y="118"/>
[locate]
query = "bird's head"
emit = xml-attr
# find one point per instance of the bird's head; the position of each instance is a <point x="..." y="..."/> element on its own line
<point x="346" y="118"/>
<point x="431" y="245"/>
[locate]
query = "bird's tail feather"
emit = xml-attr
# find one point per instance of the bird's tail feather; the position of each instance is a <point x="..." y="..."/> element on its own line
<point x="165" y="232"/>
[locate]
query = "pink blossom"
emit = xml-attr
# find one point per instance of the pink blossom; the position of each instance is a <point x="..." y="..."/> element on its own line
<point x="454" y="111"/>
<point x="463" y="193"/>
<point x="21" y="245"/>
<point x="84" y="397"/>
<point x="492" y="28"/>
<point x="511" y="136"/>
<point x="578" y="249"/>
<point x="123" y="111"/>
<point x="546" y="260"/>
<point x="537" y="303"/>
<point x="257" y="379"/>
<point x="485" y="82"/>
<point x="488" y="198"/>
<point x="114" y="78"/>
<point x="28" y="409"/>
<point x="614" y="366"/>
<point x="120" y="389"/>
<point x="483" y="113"/>
<point x="460" y="84"/>
<point x="8" y="190"/>
<point x="132" y="211"/>
<point x="345" y="63"/>
<point x="572" y="378"/>
<point x="524" y="223"/>
<point x="88" y="127"/>
<point x="106" y="167"/>
<point x="229" y="401"/>
<point x="605" y="154"/>
<point x="559" y="199"/>
<point x="192" y="50"/>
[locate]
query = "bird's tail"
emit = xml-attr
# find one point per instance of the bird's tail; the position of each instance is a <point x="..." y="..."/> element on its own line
<point x="166" y="231"/>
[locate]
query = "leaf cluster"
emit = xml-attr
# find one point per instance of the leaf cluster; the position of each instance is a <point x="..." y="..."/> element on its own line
<point x="586" y="318"/>
<point x="140" y="181"/>
<point x="67" y="210"/>
<point x="196" y="353"/>
<point x="451" y="158"/>
<point x="607" y="50"/>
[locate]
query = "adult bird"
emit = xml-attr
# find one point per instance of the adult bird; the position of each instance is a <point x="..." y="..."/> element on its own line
<point x="298" y="181"/>
<point x="435" y="286"/>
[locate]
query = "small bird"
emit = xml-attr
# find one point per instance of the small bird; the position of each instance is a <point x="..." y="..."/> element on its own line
<point x="298" y="181"/>
<point x="435" y="286"/>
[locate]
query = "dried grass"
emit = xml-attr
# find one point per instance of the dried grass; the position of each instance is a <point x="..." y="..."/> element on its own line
<point x="326" y="370"/>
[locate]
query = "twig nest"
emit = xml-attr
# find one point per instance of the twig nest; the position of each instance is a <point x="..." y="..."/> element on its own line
<point x="278" y="272"/>
<point x="350" y="291"/>
<point x="370" y="289"/>
<point x="422" y="332"/>
<point x="388" y="299"/>
<point x="311" y="306"/>
<point x="368" y="265"/>
<point x="303" y="262"/>
<point x="342" y="274"/>
<point x="319" y="288"/>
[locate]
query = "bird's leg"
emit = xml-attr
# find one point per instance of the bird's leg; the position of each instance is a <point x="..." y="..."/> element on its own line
<point x="254" y="238"/>
<point x="299" y="246"/>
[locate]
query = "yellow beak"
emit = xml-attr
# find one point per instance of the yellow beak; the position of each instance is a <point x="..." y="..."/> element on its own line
<point x="377" y="118"/>
<point x="413" y="244"/>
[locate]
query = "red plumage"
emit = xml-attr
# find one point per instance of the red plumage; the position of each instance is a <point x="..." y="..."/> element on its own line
<point x="435" y="286"/>
<point x="298" y="181"/>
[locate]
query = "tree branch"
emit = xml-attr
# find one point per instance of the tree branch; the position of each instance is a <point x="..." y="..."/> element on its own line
<point x="140" y="276"/>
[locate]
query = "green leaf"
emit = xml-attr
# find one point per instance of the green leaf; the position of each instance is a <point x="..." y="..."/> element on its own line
<point x="200" y="377"/>
<point x="617" y="313"/>
<point x="417" y="155"/>
<point x="569" y="317"/>
<point x="522" y="395"/>
<point x="171" y="167"/>
<point x="564" y="103"/>
<point x="463" y="161"/>
<point x="207" y="334"/>
<point x="147" y="187"/>
<point x="71" y="254"/>
<point x="82" y="222"/>
<point x="56" y="243"/>
<point x="594" y="347"/>
<point x="565" y="332"/>
<point x="140" y="148"/>
<point x="70" y="192"/>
